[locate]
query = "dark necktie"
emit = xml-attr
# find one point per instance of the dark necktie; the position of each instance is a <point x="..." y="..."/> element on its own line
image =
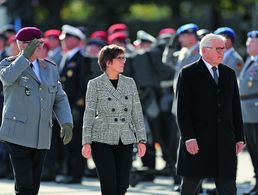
<point x="215" y="75"/>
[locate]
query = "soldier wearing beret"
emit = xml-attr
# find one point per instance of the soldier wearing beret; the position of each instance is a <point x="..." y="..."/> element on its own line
<point x="248" y="84"/>
<point x="32" y="93"/>
<point x="231" y="56"/>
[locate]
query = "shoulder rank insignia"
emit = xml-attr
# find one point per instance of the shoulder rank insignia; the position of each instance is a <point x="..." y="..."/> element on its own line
<point x="11" y="58"/>
<point x="50" y="61"/>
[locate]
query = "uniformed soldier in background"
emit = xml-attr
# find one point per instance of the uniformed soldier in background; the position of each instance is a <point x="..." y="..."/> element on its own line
<point x="73" y="76"/>
<point x="55" y="49"/>
<point x="248" y="85"/>
<point x="231" y="56"/>
<point x="31" y="93"/>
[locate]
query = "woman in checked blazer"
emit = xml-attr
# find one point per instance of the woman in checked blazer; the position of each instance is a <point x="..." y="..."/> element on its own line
<point x="112" y="122"/>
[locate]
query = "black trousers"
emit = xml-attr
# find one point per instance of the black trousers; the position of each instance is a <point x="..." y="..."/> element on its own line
<point x="191" y="186"/>
<point x="27" y="165"/>
<point x="251" y="133"/>
<point x="113" y="163"/>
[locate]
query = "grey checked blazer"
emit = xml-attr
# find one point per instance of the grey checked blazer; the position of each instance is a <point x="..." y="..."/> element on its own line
<point x="112" y="114"/>
<point x="29" y="103"/>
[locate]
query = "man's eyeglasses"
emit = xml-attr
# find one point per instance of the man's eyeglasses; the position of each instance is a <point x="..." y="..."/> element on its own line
<point x="218" y="49"/>
<point x="121" y="58"/>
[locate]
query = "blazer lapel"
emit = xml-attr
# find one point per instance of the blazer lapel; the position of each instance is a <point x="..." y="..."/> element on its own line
<point x="32" y="74"/>
<point x="117" y="93"/>
<point x="221" y="74"/>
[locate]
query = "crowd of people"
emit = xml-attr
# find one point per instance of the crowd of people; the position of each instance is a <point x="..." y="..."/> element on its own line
<point x="155" y="64"/>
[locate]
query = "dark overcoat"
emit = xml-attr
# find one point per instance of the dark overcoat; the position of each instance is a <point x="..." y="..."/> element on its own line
<point x="211" y="114"/>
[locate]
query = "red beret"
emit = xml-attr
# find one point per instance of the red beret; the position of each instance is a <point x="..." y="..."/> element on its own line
<point x="116" y="28"/>
<point x="99" y="35"/>
<point x="28" y="34"/>
<point x="167" y="31"/>
<point x="52" y="32"/>
<point x="117" y="36"/>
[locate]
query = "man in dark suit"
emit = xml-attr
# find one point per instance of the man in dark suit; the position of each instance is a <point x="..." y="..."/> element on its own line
<point x="73" y="75"/>
<point x="210" y="120"/>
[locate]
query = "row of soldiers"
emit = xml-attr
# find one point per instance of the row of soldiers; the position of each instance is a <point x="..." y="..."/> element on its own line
<point x="154" y="63"/>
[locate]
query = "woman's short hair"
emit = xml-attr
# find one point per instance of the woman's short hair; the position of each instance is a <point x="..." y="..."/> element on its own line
<point x="107" y="54"/>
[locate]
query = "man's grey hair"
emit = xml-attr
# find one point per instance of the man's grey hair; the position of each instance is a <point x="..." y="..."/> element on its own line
<point x="207" y="39"/>
<point x="19" y="44"/>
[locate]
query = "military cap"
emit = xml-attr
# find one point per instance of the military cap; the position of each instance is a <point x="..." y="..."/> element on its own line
<point x="187" y="28"/>
<point x="145" y="37"/>
<point x="253" y="34"/>
<point x="117" y="36"/>
<point x="52" y="33"/>
<point x="202" y="32"/>
<point x="229" y="32"/>
<point x="100" y="34"/>
<point x="116" y="28"/>
<point x="28" y="34"/>
<point x="71" y="31"/>
<point x="166" y="32"/>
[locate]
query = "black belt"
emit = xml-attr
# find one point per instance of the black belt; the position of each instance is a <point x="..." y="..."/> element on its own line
<point x="247" y="97"/>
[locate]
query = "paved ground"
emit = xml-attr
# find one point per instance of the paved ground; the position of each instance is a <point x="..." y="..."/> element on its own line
<point x="161" y="185"/>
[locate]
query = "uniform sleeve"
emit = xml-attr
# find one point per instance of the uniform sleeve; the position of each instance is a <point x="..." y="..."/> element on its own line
<point x="9" y="72"/>
<point x="237" y="113"/>
<point x="61" y="106"/>
<point x="137" y="115"/>
<point x="89" y="112"/>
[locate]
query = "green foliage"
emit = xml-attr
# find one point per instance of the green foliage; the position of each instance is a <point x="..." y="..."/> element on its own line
<point x="76" y="10"/>
<point x="148" y="12"/>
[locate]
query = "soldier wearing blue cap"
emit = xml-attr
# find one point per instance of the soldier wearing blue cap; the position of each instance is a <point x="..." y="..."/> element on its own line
<point x="248" y="81"/>
<point x="32" y="93"/>
<point x="231" y="56"/>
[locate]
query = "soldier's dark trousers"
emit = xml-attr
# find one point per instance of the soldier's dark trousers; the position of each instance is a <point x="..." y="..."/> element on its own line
<point x="190" y="186"/>
<point x="27" y="165"/>
<point x="113" y="163"/>
<point x="251" y="133"/>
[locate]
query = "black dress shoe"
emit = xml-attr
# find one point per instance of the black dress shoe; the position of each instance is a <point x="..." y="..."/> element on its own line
<point x="211" y="191"/>
<point x="69" y="180"/>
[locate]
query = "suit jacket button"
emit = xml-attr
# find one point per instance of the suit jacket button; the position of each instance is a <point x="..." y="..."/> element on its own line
<point x="123" y="119"/>
<point x="109" y="98"/>
<point x="219" y="120"/>
<point x="113" y="109"/>
<point x="125" y="109"/>
<point x="115" y="119"/>
<point x="126" y="97"/>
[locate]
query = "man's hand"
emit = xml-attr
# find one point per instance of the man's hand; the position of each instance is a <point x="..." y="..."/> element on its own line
<point x="192" y="146"/>
<point x="30" y="48"/>
<point x="66" y="132"/>
<point x="239" y="147"/>
<point x="86" y="151"/>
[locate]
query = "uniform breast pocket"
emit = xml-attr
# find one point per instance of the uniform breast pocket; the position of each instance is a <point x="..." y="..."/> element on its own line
<point x="26" y="90"/>
<point x="52" y="89"/>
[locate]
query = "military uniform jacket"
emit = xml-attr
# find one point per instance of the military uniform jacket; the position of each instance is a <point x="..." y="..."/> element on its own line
<point x="29" y="103"/>
<point x="113" y="114"/>
<point x="211" y="114"/>
<point x="248" y="86"/>
<point x="234" y="61"/>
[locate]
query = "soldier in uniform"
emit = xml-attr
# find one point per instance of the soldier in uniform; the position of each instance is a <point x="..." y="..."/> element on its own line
<point x="73" y="75"/>
<point x="55" y="50"/>
<point x="31" y="93"/>
<point x="231" y="56"/>
<point x="248" y="84"/>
